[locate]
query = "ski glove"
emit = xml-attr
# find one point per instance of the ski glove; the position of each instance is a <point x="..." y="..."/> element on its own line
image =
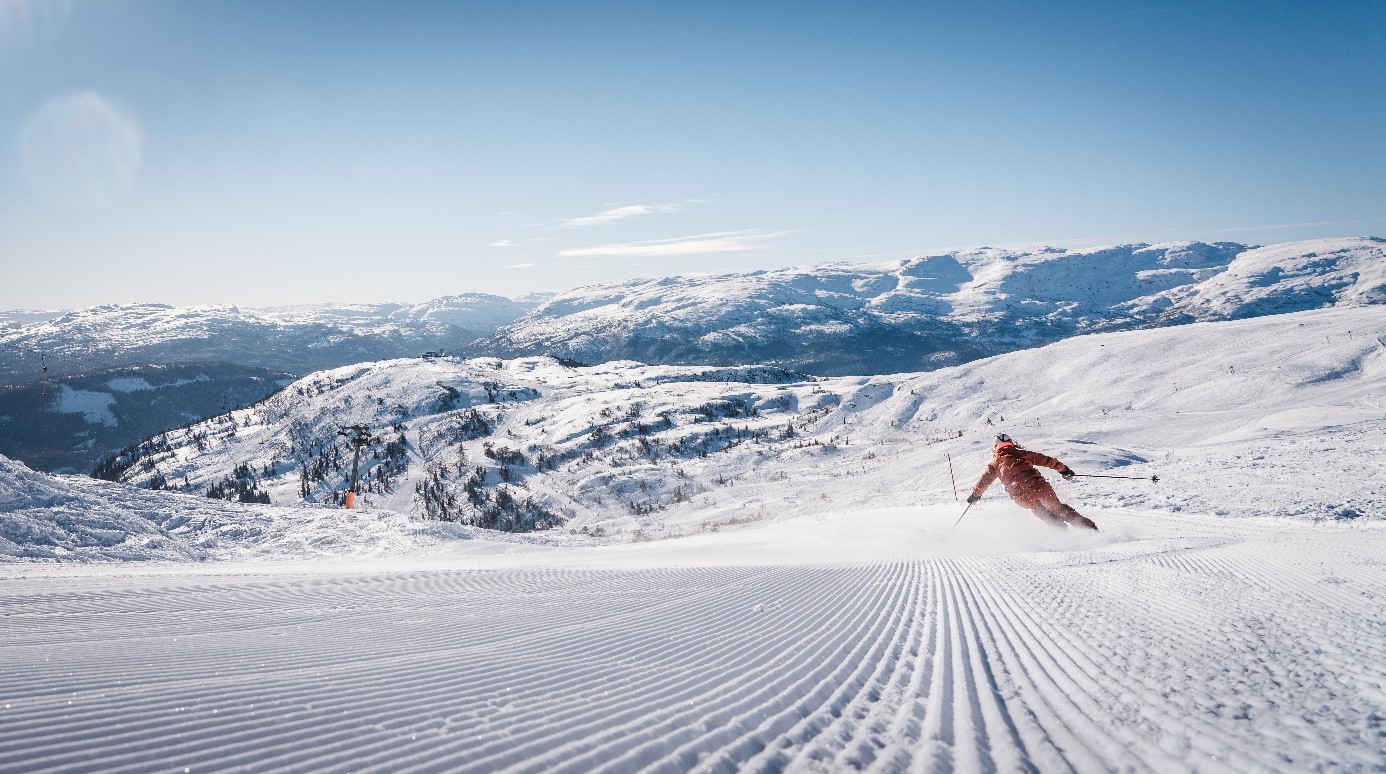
<point x="1067" y="473"/>
<point x="973" y="498"/>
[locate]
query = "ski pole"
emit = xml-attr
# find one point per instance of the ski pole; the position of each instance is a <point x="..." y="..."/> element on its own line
<point x="1156" y="479"/>
<point x="959" y="521"/>
<point x="953" y="478"/>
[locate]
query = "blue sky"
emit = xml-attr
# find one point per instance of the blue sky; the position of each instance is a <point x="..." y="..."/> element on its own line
<point x="265" y="153"/>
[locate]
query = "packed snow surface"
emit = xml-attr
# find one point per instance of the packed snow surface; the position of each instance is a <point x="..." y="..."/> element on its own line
<point x="818" y="611"/>
<point x="1165" y="643"/>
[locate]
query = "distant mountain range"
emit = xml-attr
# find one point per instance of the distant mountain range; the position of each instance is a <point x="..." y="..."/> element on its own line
<point x="296" y="339"/>
<point x="119" y="373"/>
<point x="829" y="319"/>
<point x="931" y="311"/>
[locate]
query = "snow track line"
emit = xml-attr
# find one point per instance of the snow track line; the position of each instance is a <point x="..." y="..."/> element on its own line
<point x="1061" y="742"/>
<point x="574" y="678"/>
<point x="1066" y="699"/>
<point x="1078" y="641"/>
<point x="165" y="669"/>
<point x="905" y="730"/>
<point x="844" y="743"/>
<point x="262" y="698"/>
<point x="1203" y="637"/>
<point x="261" y="745"/>
<point x="642" y="710"/>
<point x="740" y="655"/>
<point x="823" y="692"/>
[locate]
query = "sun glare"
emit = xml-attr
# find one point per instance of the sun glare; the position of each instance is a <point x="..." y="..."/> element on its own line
<point x="82" y="151"/>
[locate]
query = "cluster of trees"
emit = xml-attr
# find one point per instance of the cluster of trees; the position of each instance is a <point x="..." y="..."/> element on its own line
<point x="392" y="464"/>
<point x="491" y="507"/>
<point x="113" y="468"/>
<point x="315" y="469"/>
<point x="466" y="426"/>
<point x="330" y="462"/>
<point x="148" y="453"/>
<point x="243" y="485"/>
<point x="715" y="440"/>
<point x="728" y="408"/>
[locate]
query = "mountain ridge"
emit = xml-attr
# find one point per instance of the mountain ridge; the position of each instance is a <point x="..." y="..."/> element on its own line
<point x="296" y="339"/>
<point x="930" y="311"/>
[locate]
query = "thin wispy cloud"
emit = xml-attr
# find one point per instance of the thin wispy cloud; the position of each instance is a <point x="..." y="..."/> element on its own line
<point x="1181" y="233"/>
<point x="619" y="213"/>
<point x="502" y="243"/>
<point x="720" y="242"/>
<point x="1312" y="224"/>
<point x="522" y="266"/>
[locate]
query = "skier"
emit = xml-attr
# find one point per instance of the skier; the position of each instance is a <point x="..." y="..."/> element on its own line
<point x="1016" y="469"/>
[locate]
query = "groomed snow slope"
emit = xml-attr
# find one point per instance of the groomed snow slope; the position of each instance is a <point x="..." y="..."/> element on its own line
<point x="845" y="628"/>
<point x="1167" y="643"/>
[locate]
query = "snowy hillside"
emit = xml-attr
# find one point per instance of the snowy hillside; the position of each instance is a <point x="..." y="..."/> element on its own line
<point x="532" y="443"/>
<point x="76" y="518"/>
<point x="79" y="420"/>
<point x="1281" y="278"/>
<point x="813" y="609"/>
<point x="297" y="339"/>
<point x="927" y="312"/>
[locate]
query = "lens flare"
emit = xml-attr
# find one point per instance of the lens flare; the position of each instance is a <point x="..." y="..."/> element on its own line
<point x="32" y="23"/>
<point x="82" y="151"/>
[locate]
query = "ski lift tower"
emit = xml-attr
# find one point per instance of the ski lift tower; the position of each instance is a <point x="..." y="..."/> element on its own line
<point x="360" y="437"/>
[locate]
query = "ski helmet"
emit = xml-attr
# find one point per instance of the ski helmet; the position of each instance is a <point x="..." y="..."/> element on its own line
<point x="1003" y="438"/>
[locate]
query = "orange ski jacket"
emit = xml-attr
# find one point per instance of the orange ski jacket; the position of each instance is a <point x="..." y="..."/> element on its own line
<point x="1016" y="469"/>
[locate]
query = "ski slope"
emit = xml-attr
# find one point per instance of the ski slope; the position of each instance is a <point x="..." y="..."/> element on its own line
<point x="1166" y="643"/>
<point x="817" y="613"/>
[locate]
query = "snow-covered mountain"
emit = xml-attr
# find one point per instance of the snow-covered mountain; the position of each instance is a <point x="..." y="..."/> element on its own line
<point x="298" y="339"/>
<point x="938" y="310"/>
<point x="473" y="313"/>
<point x="231" y="357"/>
<point x="832" y="319"/>
<point x="756" y="570"/>
<point x="533" y="443"/>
